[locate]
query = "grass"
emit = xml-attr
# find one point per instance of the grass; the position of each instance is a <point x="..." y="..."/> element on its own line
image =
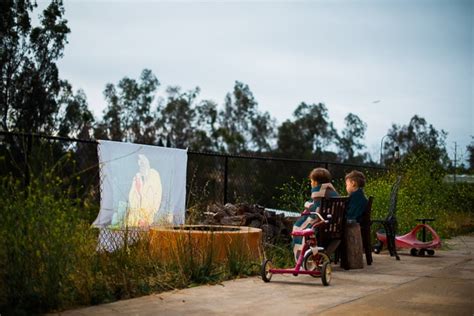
<point x="49" y="259"/>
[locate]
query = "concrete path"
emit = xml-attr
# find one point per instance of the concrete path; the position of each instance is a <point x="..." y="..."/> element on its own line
<point x="438" y="285"/>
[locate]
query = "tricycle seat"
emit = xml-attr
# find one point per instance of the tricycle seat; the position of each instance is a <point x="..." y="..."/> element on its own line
<point x="303" y="232"/>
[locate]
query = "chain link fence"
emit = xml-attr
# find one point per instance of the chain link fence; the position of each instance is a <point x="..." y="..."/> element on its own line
<point x="211" y="177"/>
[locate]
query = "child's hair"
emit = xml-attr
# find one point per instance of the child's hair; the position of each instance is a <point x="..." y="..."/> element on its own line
<point x="320" y="175"/>
<point x="356" y="176"/>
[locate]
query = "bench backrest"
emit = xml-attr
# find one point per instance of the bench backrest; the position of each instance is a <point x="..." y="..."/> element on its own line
<point x="365" y="220"/>
<point x="334" y="230"/>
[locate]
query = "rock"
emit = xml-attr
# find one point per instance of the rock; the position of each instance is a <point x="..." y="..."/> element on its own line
<point x="255" y="223"/>
<point x="237" y="220"/>
<point x="242" y="208"/>
<point x="268" y="232"/>
<point x="230" y="209"/>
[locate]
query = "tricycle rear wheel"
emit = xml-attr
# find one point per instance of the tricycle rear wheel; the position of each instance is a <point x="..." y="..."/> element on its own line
<point x="326" y="273"/>
<point x="265" y="270"/>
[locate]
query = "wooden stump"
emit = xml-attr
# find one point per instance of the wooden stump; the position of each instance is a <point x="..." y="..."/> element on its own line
<point x="354" y="247"/>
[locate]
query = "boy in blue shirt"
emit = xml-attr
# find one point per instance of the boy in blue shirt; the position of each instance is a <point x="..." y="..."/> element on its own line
<point x="355" y="182"/>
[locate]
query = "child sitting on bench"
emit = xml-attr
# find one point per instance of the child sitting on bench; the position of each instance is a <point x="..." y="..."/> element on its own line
<point x="320" y="187"/>
<point x="355" y="182"/>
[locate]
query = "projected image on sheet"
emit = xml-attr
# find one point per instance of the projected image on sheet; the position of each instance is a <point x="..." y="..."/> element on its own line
<point x="141" y="185"/>
<point x="145" y="194"/>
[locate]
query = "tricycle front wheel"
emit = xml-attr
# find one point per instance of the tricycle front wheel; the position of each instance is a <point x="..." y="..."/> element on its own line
<point x="313" y="262"/>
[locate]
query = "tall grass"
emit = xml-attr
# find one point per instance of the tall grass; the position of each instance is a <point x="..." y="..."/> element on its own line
<point x="43" y="238"/>
<point x="49" y="259"/>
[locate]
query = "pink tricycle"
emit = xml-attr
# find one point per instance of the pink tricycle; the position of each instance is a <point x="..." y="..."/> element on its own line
<point x="312" y="259"/>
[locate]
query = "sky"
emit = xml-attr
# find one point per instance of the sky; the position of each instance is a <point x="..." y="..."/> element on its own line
<point x="382" y="60"/>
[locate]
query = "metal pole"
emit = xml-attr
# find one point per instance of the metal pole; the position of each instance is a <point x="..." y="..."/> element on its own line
<point x="381" y="148"/>
<point x="226" y="173"/>
<point x="455" y="160"/>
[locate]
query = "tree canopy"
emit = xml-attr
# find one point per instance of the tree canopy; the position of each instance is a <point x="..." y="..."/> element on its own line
<point x="34" y="99"/>
<point x="416" y="137"/>
<point x="30" y="85"/>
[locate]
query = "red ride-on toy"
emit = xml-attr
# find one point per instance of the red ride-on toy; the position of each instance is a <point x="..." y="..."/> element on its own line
<point x="315" y="262"/>
<point x="410" y="240"/>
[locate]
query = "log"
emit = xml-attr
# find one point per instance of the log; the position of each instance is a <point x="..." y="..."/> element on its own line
<point x="354" y="249"/>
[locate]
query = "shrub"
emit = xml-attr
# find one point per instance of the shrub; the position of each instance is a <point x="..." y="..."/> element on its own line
<point x="49" y="259"/>
<point x="424" y="194"/>
<point x="43" y="236"/>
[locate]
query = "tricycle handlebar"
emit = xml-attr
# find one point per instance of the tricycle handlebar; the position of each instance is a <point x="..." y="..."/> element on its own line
<point x="322" y="220"/>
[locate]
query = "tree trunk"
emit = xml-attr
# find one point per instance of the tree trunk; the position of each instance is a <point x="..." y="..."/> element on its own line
<point x="354" y="247"/>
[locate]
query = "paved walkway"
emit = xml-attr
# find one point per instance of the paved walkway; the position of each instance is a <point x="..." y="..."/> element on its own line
<point x="438" y="285"/>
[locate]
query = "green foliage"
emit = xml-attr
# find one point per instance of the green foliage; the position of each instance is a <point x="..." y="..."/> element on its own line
<point x="39" y="227"/>
<point x="195" y="265"/>
<point x="424" y="194"/>
<point x="239" y="262"/>
<point x="281" y="254"/>
<point x="293" y="195"/>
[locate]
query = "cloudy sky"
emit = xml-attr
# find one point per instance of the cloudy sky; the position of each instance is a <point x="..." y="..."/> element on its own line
<point x="382" y="60"/>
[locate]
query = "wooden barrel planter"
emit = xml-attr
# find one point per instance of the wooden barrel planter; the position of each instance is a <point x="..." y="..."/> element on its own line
<point x="218" y="243"/>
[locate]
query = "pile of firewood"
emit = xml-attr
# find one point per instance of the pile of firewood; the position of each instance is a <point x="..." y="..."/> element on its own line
<point x="274" y="226"/>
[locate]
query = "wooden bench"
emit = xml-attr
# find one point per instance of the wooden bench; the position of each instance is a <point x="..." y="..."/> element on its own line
<point x="331" y="236"/>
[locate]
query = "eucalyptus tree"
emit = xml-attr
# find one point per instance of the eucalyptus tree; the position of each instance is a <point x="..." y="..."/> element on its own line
<point x="129" y="115"/>
<point x="177" y="116"/>
<point x="308" y="134"/>
<point x="206" y="126"/>
<point x="470" y="150"/>
<point x="417" y="136"/>
<point x="76" y="120"/>
<point x="351" y="138"/>
<point x="242" y="126"/>
<point x="30" y="84"/>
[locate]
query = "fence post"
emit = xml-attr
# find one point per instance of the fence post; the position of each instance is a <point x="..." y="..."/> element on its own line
<point x="226" y="167"/>
<point x="326" y="165"/>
